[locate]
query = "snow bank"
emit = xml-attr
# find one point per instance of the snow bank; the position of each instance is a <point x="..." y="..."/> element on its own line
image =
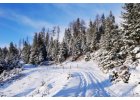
<point x="136" y="50"/>
<point x="8" y="74"/>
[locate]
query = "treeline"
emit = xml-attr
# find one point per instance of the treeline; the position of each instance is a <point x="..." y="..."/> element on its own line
<point x="103" y="33"/>
<point x="77" y="41"/>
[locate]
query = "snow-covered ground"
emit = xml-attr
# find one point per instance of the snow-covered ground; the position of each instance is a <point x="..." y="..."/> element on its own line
<point x="67" y="79"/>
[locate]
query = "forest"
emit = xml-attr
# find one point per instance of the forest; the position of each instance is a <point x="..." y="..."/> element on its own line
<point x="118" y="44"/>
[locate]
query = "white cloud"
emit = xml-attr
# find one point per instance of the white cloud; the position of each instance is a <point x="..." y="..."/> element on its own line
<point x="22" y="19"/>
<point x="31" y="22"/>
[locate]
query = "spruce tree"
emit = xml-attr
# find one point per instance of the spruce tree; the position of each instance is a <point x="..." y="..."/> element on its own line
<point x="42" y="48"/>
<point x="78" y="31"/>
<point x="131" y="30"/>
<point x="63" y="53"/>
<point x="34" y="56"/>
<point x="110" y="31"/>
<point x="47" y="44"/>
<point x="13" y="57"/>
<point x="92" y="36"/>
<point x="68" y="40"/>
<point x="26" y="52"/>
<point x="131" y="24"/>
<point x="50" y="49"/>
<point x="5" y="52"/>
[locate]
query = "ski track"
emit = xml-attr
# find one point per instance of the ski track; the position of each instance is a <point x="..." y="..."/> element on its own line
<point x="85" y="82"/>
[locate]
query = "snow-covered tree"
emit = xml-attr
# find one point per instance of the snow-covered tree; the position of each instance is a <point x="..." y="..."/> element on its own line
<point x="92" y="36"/>
<point x="63" y="53"/>
<point x="131" y="23"/>
<point x="111" y="30"/>
<point x="26" y="52"/>
<point x="110" y="44"/>
<point x="34" y="56"/>
<point x="42" y="47"/>
<point x="77" y="30"/>
<point x="131" y="30"/>
<point x="5" y="52"/>
<point x="10" y="57"/>
<point x="68" y="40"/>
<point x="47" y="44"/>
<point x="50" y="48"/>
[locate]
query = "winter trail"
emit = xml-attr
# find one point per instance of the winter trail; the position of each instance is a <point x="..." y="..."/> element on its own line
<point x="53" y="80"/>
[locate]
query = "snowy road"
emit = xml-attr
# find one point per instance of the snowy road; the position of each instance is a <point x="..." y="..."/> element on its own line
<point x="87" y="85"/>
<point x="86" y="81"/>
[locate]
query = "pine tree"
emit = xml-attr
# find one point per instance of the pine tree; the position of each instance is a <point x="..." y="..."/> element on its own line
<point x="50" y="49"/>
<point x="47" y="44"/>
<point x="110" y="44"/>
<point x="111" y="30"/>
<point x="78" y="31"/>
<point x="5" y="53"/>
<point x="102" y="31"/>
<point x="131" y="24"/>
<point x="13" y="57"/>
<point x="57" y="45"/>
<point x="34" y="56"/>
<point x="89" y="33"/>
<point x="68" y="40"/>
<point x="98" y="25"/>
<point x="26" y="52"/>
<point x="102" y="27"/>
<point x="92" y="36"/>
<point x="131" y="30"/>
<point x="63" y="53"/>
<point x="13" y="51"/>
<point x="42" y="48"/>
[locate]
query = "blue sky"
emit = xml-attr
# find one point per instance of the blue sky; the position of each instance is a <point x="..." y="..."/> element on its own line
<point x="17" y="21"/>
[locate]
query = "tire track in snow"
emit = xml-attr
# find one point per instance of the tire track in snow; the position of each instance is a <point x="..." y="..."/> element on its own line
<point x="100" y="91"/>
<point x="92" y="87"/>
<point x="73" y="90"/>
<point x="97" y="77"/>
<point x="83" y="85"/>
<point x="88" y="86"/>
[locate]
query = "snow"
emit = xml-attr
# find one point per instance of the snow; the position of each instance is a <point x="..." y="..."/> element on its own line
<point x="138" y="55"/>
<point x="136" y="50"/>
<point x="74" y="79"/>
<point x="28" y="66"/>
